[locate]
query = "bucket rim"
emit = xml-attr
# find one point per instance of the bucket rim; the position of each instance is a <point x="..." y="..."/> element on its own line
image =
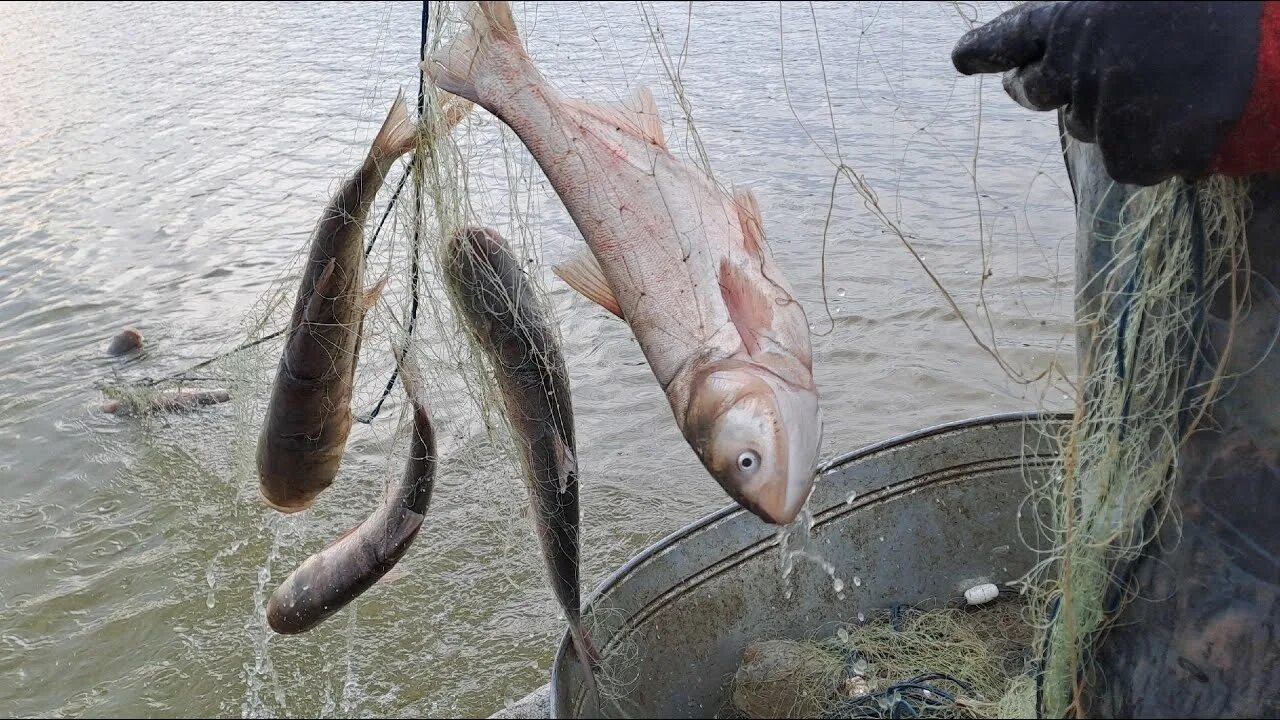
<point x="661" y="545"/>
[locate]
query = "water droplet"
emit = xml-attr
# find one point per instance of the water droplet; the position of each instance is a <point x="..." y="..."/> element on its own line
<point x="838" y="584"/>
<point x="857" y="581"/>
<point x="208" y="602"/>
<point x="881" y="538"/>
<point x="849" y="500"/>
<point x="840" y="292"/>
<point x="862" y="618"/>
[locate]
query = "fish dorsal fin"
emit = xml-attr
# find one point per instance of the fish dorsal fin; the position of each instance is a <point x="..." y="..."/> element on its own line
<point x="638" y="117"/>
<point x="583" y="274"/>
<point x="751" y="221"/>
<point x="750" y="310"/>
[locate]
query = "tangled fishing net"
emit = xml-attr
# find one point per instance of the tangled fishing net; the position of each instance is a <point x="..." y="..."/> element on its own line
<point x="903" y="662"/>
<point x="1143" y="387"/>
<point x="1147" y="382"/>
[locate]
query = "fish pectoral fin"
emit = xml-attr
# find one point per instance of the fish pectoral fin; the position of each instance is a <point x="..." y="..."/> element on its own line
<point x="752" y="223"/>
<point x="582" y="273"/>
<point x="320" y="292"/>
<point x="750" y="309"/>
<point x="372" y="294"/>
<point x="638" y="117"/>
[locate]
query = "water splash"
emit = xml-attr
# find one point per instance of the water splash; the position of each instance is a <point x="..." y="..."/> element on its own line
<point x="211" y="572"/>
<point x="796" y="541"/>
<point x="350" y="684"/>
<point x="330" y="707"/>
<point x="260" y="671"/>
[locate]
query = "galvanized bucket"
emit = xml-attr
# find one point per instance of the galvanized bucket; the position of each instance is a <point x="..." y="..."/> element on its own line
<point x="924" y="516"/>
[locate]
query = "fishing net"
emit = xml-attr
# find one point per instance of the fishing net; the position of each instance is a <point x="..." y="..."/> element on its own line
<point x="852" y="115"/>
<point x="1160" y="255"/>
<point x="903" y="662"/>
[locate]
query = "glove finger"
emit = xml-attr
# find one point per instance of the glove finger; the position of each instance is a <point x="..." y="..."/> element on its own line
<point x="1012" y="39"/>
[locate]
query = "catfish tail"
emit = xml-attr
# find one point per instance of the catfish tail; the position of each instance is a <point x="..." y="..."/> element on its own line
<point x="398" y="135"/>
<point x="588" y="655"/>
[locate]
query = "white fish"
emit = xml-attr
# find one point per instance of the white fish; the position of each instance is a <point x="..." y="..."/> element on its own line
<point x="684" y="263"/>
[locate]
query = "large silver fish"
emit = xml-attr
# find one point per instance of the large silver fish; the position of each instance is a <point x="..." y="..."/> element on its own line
<point x="309" y="415"/>
<point x="503" y="315"/>
<point x="681" y="261"/>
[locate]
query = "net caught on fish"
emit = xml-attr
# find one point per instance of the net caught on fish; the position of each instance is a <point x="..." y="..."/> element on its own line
<point x="863" y="213"/>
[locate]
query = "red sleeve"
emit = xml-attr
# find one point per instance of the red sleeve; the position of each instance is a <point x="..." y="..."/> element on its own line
<point x="1253" y="145"/>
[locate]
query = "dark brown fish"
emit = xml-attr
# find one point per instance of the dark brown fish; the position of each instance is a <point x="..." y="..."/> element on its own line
<point x="309" y="415"/>
<point x="507" y="322"/>
<point x="335" y="576"/>
<point x="167" y="401"/>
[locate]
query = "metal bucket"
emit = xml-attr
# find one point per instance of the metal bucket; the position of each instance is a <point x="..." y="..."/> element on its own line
<point x="924" y="516"/>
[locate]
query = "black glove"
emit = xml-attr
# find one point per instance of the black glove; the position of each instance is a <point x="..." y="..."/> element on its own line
<point x="1159" y="86"/>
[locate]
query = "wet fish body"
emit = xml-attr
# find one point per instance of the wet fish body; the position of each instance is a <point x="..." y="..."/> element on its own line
<point x="309" y="414"/>
<point x="330" y="579"/>
<point x="685" y="264"/>
<point x="168" y="401"/>
<point x="504" y="317"/>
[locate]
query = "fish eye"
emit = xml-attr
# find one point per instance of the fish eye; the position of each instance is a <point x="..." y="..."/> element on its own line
<point x="748" y="461"/>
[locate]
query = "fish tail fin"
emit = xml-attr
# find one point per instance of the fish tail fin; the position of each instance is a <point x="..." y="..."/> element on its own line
<point x="399" y="134"/>
<point x="492" y="34"/>
<point x="410" y="375"/>
<point x="590" y="658"/>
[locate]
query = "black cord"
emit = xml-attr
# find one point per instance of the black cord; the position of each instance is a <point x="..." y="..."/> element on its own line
<point x="417" y="232"/>
<point x="390" y="206"/>
<point x="413" y="313"/>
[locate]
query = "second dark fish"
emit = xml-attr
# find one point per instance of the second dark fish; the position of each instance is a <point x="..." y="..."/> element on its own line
<point x="505" y="319"/>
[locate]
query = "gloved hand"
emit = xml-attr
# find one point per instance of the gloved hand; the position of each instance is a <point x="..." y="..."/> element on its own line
<point x="1163" y="88"/>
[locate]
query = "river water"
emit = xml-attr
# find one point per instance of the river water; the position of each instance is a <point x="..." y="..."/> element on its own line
<point x="162" y="165"/>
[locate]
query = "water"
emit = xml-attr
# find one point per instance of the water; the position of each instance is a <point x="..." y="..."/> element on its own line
<point x="161" y="166"/>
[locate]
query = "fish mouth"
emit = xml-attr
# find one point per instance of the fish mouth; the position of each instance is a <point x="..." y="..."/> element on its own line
<point x="286" y="509"/>
<point x="777" y="504"/>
